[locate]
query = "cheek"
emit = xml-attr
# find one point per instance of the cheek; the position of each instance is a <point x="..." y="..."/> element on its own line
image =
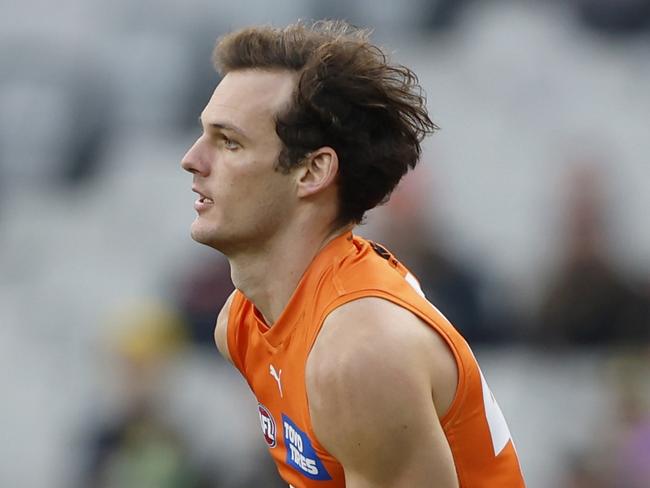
<point x="268" y="198"/>
<point x="231" y="180"/>
<point x="254" y="178"/>
<point x="248" y="181"/>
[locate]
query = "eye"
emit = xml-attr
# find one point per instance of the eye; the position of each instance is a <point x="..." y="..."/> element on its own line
<point x="230" y="144"/>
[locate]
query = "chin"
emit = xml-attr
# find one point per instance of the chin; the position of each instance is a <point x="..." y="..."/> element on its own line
<point x="207" y="235"/>
<point x="200" y="233"/>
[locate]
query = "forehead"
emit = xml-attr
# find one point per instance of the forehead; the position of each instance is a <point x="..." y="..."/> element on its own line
<point x="250" y="97"/>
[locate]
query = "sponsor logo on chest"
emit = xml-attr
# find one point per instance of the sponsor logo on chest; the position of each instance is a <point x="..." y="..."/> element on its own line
<point x="300" y="452"/>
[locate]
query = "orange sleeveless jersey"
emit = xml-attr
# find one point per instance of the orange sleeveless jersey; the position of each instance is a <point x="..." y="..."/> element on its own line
<point x="273" y="362"/>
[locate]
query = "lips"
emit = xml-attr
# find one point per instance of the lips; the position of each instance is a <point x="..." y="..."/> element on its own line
<point x="202" y="203"/>
<point x="202" y="198"/>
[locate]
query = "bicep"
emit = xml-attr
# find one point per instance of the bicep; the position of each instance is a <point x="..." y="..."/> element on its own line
<point x="372" y="407"/>
<point x="399" y="444"/>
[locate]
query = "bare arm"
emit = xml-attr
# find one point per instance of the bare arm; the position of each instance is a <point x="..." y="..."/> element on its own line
<point x="377" y="381"/>
<point x="221" y="328"/>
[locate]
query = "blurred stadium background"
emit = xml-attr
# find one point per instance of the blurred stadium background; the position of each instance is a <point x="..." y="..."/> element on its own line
<point x="527" y="223"/>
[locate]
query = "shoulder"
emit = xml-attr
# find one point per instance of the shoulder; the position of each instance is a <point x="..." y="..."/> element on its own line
<point x="370" y="333"/>
<point x="221" y="328"/>
<point x="365" y="338"/>
<point x="371" y="360"/>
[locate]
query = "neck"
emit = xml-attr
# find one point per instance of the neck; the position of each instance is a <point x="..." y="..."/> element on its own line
<point x="269" y="274"/>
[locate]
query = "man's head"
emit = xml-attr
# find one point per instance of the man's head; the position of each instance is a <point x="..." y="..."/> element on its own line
<point x="329" y="119"/>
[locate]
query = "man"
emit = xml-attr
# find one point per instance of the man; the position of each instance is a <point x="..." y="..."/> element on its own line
<point x="361" y="382"/>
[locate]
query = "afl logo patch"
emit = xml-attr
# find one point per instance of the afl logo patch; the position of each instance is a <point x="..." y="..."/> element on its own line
<point x="269" y="430"/>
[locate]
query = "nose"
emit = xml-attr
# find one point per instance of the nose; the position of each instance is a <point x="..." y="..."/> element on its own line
<point x="194" y="160"/>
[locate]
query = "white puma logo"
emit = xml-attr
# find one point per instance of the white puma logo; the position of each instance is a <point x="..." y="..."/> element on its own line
<point x="276" y="375"/>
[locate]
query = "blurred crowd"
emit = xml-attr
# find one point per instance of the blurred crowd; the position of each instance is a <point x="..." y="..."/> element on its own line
<point x="98" y="105"/>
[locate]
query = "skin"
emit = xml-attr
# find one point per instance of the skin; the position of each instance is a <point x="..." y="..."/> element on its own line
<point x="259" y="212"/>
<point x="271" y="225"/>
<point x="378" y="413"/>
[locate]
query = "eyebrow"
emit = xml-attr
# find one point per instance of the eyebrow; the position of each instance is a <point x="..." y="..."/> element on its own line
<point x="224" y="126"/>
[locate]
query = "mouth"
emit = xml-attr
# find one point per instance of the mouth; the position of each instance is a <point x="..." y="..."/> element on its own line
<point x="202" y="198"/>
<point x="202" y="203"/>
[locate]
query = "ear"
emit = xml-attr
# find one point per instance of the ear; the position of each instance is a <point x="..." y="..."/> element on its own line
<point x="317" y="172"/>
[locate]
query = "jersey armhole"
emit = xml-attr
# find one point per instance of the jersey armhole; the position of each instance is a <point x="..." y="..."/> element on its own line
<point x="232" y="331"/>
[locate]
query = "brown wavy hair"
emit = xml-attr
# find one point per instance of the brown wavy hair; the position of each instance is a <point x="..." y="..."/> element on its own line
<point x="348" y="97"/>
